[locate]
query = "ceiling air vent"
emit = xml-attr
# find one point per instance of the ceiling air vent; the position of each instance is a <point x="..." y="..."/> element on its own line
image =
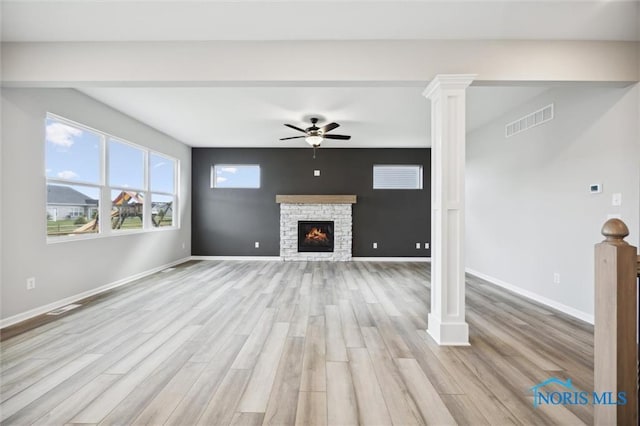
<point x="528" y="121"/>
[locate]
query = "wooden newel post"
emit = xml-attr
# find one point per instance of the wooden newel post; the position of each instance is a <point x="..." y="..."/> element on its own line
<point x="615" y="347"/>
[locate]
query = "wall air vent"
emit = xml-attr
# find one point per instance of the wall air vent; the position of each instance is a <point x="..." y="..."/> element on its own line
<point x="528" y="121"/>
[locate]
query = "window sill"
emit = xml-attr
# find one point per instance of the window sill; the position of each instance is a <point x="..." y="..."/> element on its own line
<point x="113" y="233"/>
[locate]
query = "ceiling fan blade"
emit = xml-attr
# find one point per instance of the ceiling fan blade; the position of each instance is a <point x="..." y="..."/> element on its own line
<point x="329" y="127"/>
<point x="296" y="128"/>
<point x="341" y="137"/>
<point x="292" y="137"/>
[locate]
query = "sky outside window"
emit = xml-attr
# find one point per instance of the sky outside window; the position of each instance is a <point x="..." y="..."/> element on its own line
<point x="126" y="165"/>
<point x="72" y="153"/>
<point x="162" y="173"/>
<point x="236" y="176"/>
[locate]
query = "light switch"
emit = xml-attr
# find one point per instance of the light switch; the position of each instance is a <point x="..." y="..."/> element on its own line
<point x="616" y="199"/>
<point x="316" y="172"/>
<point x="375" y="245"/>
<point x="417" y="245"/>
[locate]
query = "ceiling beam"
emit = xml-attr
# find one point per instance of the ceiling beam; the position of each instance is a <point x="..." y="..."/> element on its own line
<point x="331" y="63"/>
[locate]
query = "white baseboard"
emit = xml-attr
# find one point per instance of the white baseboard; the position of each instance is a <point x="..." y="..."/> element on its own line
<point x="263" y="258"/>
<point x="391" y="259"/>
<point x="535" y="297"/>
<point x="6" y="322"/>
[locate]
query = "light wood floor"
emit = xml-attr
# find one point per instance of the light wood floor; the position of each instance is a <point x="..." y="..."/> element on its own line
<point x="240" y="343"/>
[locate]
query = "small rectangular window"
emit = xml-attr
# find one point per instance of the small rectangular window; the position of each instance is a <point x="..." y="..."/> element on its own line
<point x="235" y="176"/>
<point x="397" y="177"/>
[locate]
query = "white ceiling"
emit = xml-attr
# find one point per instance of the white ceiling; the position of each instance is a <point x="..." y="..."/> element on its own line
<point x="375" y="117"/>
<point x="91" y="20"/>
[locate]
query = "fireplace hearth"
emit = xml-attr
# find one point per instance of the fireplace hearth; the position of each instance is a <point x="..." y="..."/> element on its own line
<point x="315" y="236"/>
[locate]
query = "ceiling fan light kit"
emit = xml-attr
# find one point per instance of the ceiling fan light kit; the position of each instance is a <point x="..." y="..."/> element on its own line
<point x="314" y="140"/>
<point x="314" y="135"/>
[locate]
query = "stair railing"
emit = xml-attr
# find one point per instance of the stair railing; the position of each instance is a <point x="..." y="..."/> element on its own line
<point x="616" y="322"/>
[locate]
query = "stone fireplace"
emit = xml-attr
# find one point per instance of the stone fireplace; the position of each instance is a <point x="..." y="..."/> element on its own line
<point x="316" y="227"/>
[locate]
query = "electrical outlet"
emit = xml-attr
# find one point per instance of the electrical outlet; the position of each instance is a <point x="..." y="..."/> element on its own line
<point x="426" y="246"/>
<point x="375" y="245"/>
<point x="316" y="172"/>
<point x="616" y="199"/>
<point x="257" y="244"/>
<point x="183" y="246"/>
<point x="31" y="283"/>
<point x="417" y="245"/>
<point x="556" y="278"/>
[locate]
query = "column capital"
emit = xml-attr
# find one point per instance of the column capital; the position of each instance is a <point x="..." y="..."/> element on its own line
<point x="448" y="81"/>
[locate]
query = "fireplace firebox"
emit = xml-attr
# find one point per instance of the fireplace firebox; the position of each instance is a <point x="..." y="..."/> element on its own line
<point x="315" y="236"/>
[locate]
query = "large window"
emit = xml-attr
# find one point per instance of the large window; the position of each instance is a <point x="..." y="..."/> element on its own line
<point x="235" y="176"/>
<point x="85" y="166"/>
<point x="397" y="177"/>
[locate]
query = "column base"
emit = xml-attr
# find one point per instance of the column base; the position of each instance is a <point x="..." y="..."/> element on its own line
<point x="449" y="333"/>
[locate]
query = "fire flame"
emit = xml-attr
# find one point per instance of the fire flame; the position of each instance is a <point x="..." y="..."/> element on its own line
<point x="316" y="234"/>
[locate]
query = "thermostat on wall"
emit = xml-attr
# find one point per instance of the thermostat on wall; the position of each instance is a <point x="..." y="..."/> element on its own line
<point x="595" y="188"/>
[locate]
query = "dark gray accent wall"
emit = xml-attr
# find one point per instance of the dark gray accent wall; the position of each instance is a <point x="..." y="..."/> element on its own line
<point x="228" y="222"/>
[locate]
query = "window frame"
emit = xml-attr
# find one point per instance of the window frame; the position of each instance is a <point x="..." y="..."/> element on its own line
<point x="420" y="168"/>
<point x="104" y="189"/>
<point x="213" y="175"/>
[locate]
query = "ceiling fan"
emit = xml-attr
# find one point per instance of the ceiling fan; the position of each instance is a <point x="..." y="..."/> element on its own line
<point x="314" y="135"/>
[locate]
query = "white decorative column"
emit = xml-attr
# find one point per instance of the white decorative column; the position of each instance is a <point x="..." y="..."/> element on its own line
<point x="447" y="323"/>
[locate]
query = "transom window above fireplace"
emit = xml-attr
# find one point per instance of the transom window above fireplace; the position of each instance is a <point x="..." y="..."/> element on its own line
<point x="404" y="176"/>
<point x="235" y="176"/>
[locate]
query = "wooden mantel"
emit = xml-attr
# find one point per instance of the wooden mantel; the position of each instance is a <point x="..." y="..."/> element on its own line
<point x="316" y="199"/>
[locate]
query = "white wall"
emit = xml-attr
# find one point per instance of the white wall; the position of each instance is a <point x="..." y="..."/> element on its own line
<point x="69" y="268"/>
<point x="529" y="213"/>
